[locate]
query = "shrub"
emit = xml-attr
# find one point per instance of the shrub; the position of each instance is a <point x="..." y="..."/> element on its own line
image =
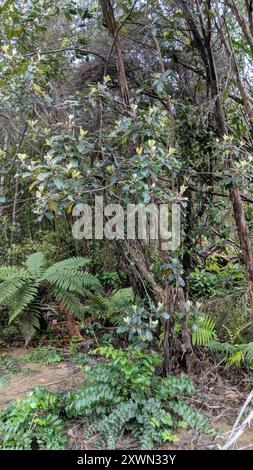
<point x="124" y="395"/>
<point x="33" y="423"/>
<point x="213" y="279"/>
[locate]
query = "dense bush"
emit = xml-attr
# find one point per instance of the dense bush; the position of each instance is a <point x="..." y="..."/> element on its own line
<point x="212" y="280"/>
<point x="33" y="423"/>
<point x="124" y="395"/>
<point x="121" y="395"/>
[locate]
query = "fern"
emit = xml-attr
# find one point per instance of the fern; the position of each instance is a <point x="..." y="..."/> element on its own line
<point x="236" y="359"/>
<point x="8" y="271"/>
<point x="71" y="263"/>
<point x="248" y="353"/>
<point x="29" y="321"/>
<point x="21" y="289"/>
<point x="11" y="286"/>
<point x="234" y="354"/>
<point x="120" y="299"/>
<point x="22" y="301"/>
<point x="234" y="333"/>
<point x="111" y="307"/>
<point x="35" y="263"/>
<point x="71" y="280"/>
<point x="203" y="331"/>
<point x="70" y="302"/>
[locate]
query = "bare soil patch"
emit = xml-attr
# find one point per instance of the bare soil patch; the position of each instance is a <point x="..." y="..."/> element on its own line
<point x="58" y="376"/>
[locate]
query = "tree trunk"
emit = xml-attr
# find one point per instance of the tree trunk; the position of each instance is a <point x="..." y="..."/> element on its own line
<point x="73" y="327"/>
<point x="204" y="46"/>
<point x="243" y="233"/>
<point x="247" y="31"/>
<point x="112" y="29"/>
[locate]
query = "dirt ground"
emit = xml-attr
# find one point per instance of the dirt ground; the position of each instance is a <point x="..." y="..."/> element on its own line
<point x="217" y="398"/>
<point x="58" y="376"/>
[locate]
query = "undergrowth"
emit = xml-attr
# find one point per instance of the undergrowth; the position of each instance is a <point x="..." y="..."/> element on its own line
<point x="33" y="423"/>
<point x="124" y="395"/>
<point x="44" y="355"/>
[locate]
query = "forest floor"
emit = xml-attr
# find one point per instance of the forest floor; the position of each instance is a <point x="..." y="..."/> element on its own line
<point x="58" y="376"/>
<point x="219" y="398"/>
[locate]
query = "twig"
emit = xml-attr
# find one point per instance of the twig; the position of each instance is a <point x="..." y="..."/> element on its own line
<point x="237" y="429"/>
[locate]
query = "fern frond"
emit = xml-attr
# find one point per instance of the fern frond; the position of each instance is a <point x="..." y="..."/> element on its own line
<point x="121" y="298"/>
<point x="8" y="271"/>
<point x="35" y="263"/>
<point x="70" y="280"/>
<point x="204" y="331"/>
<point x="23" y="300"/>
<point x="225" y="348"/>
<point x="98" y="304"/>
<point x="236" y="359"/>
<point x="72" y="263"/>
<point x="10" y="288"/>
<point x="234" y="333"/>
<point x="29" y="322"/>
<point x="235" y="354"/>
<point x="70" y="302"/>
<point x="248" y="352"/>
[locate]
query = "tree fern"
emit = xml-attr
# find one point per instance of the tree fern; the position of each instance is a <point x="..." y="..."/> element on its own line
<point x="70" y="279"/>
<point x="71" y="263"/>
<point x="35" y="263"/>
<point x="25" y="298"/>
<point x="22" y="289"/>
<point x="29" y="321"/>
<point x="10" y="288"/>
<point x="70" y="302"/>
<point x="7" y="271"/>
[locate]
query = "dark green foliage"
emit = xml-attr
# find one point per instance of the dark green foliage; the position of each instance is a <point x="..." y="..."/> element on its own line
<point x="109" y="278"/>
<point x="140" y="323"/>
<point x="124" y="395"/>
<point x="33" y="423"/>
<point x="133" y="319"/>
<point x="213" y="279"/>
<point x="231" y="313"/>
<point x="22" y="289"/>
<point x="111" y="307"/>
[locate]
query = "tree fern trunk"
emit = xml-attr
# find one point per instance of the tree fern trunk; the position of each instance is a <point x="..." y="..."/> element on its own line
<point x="73" y="327"/>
